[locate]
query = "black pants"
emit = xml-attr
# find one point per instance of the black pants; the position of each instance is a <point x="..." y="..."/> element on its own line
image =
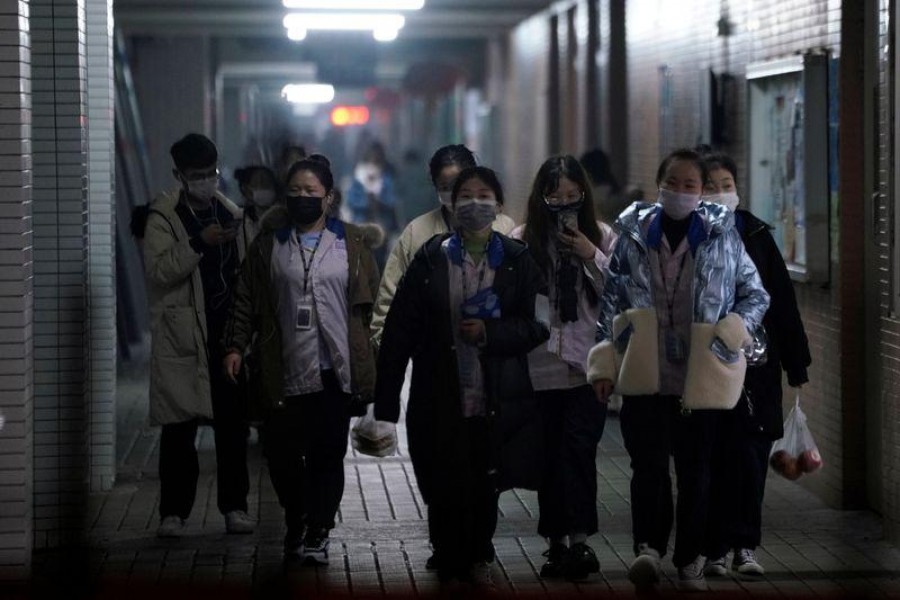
<point x="740" y="461"/>
<point x="653" y="427"/>
<point x="305" y="445"/>
<point x="462" y="522"/>
<point x="178" y="463"/>
<point x="573" y="424"/>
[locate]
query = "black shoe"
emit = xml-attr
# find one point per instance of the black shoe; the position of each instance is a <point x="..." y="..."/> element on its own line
<point x="556" y="558"/>
<point x="434" y="561"/>
<point x="293" y="544"/>
<point x="580" y="561"/>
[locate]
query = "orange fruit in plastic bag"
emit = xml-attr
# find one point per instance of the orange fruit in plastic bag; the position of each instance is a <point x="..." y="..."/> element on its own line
<point x="785" y="465"/>
<point x="810" y="460"/>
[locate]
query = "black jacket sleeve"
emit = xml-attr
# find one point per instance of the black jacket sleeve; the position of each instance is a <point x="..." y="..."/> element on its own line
<point x="404" y="326"/>
<point x="516" y="332"/>
<point x="787" y="327"/>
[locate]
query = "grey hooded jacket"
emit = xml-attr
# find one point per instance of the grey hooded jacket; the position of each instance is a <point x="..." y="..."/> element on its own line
<point x="725" y="278"/>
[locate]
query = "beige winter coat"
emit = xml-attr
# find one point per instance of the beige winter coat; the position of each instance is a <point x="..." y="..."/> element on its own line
<point x="420" y="230"/>
<point x="179" y="370"/>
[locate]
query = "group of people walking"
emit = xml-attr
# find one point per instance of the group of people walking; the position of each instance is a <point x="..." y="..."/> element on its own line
<point x="518" y="335"/>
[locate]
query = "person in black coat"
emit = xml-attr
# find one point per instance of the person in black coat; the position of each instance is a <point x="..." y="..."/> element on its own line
<point x="464" y="313"/>
<point x="745" y="435"/>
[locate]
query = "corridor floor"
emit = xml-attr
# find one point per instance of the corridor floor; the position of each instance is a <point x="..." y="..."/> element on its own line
<point x="380" y="545"/>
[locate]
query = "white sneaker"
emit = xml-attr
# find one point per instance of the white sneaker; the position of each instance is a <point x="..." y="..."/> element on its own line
<point x="315" y="547"/>
<point x="715" y="567"/>
<point x="690" y="576"/>
<point x="482" y="576"/>
<point x="170" y="526"/>
<point x="238" y="521"/>
<point x="745" y="563"/>
<point x="644" y="569"/>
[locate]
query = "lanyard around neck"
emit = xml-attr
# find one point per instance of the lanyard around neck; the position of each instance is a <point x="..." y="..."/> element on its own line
<point x="481" y="271"/>
<point x="307" y="266"/>
<point x="670" y="298"/>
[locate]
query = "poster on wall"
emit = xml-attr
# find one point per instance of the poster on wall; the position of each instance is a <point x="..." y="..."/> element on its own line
<point x="788" y="159"/>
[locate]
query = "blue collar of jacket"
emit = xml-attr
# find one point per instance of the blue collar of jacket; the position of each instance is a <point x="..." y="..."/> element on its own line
<point x="494" y="250"/>
<point x="335" y="226"/>
<point x="696" y="233"/>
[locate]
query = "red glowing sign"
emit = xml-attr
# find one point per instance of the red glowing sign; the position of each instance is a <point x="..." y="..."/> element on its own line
<point x="342" y="116"/>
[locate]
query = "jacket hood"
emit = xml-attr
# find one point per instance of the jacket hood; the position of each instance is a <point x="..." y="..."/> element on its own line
<point x="635" y="220"/>
<point x="277" y="219"/>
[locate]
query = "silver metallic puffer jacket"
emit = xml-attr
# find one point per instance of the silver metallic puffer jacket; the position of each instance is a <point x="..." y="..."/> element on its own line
<point x="725" y="278"/>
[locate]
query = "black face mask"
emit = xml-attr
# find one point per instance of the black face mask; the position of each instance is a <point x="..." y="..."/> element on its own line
<point x="304" y="209"/>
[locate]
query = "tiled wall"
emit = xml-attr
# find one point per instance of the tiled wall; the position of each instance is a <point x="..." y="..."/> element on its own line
<point x="101" y="277"/>
<point x="888" y="341"/>
<point x="61" y="318"/>
<point x="16" y="296"/>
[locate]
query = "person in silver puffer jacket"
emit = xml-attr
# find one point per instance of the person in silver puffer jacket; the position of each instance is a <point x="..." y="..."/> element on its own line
<point x="680" y="300"/>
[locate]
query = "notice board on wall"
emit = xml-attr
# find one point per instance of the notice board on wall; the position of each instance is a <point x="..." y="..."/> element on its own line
<point x="788" y="162"/>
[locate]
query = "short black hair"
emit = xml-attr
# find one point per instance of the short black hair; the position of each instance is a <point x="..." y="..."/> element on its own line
<point x="484" y="174"/>
<point x="194" y="151"/>
<point x="720" y="160"/>
<point x="245" y="175"/>
<point x="687" y="155"/>
<point x="138" y="225"/>
<point x="447" y="156"/>
<point x="596" y="163"/>
<point x="318" y="165"/>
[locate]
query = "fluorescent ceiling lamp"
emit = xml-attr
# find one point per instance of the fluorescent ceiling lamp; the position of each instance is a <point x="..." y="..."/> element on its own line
<point x="355" y="4"/>
<point x="384" y="26"/>
<point x="308" y="93"/>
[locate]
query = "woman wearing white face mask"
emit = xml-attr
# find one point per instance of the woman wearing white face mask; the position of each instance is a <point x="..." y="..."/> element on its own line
<point x="680" y="299"/>
<point x="745" y="435"/>
<point x="445" y="165"/>
<point x="464" y="312"/>
<point x="258" y="188"/>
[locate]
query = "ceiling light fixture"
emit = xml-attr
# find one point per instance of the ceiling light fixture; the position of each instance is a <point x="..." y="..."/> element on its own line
<point x="384" y="26"/>
<point x="308" y="93"/>
<point x="355" y="4"/>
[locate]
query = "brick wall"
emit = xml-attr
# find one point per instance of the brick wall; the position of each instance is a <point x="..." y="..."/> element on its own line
<point x="16" y="295"/>
<point x="61" y="323"/>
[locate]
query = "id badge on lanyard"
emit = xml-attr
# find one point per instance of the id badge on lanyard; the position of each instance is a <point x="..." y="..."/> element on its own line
<point x="305" y="316"/>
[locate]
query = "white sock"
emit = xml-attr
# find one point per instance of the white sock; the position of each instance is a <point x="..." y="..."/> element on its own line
<point x="577" y="538"/>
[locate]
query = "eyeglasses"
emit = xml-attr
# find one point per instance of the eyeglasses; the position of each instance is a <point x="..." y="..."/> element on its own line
<point x="202" y="175"/>
<point x="565" y="201"/>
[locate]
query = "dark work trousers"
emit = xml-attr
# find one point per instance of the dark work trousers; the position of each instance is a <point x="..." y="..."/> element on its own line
<point x="463" y="522"/>
<point x="740" y="461"/>
<point x="573" y="424"/>
<point x="178" y="464"/>
<point x="305" y="445"/>
<point x="653" y="428"/>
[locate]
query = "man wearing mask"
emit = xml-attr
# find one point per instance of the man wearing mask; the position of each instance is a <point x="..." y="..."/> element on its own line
<point x="191" y="260"/>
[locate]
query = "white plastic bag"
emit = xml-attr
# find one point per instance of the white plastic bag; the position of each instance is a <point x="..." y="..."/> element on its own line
<point x="795" y="453"/>
<point x="373" y="438"/>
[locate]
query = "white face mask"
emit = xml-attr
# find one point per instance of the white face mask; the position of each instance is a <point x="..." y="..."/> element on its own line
<point x="262" y="198"/>
<point x="678" y="206"/>
<point x="446" y="199"/>
<point x="729" y="200"/>
<point x="203" y="189"/>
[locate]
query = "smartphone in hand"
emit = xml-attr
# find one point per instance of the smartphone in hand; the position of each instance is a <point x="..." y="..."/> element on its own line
<point x="567" y="222"/>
